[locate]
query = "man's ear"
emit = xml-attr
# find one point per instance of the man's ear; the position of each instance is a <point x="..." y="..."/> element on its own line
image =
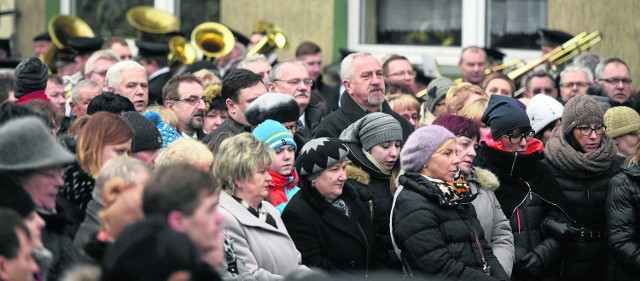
<point x="271" y="87"/>
<point x="176" y="221"/>
<point x="168" y="104"/>
<point x="231" y="107"/>
<point x="111" y="89"/>
<point x="347" y="86"/>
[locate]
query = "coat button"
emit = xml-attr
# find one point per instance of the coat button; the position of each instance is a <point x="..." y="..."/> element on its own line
<point x="353" y="264"/>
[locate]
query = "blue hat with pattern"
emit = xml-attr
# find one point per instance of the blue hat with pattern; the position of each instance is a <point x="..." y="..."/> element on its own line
<point x="274" y="134"/>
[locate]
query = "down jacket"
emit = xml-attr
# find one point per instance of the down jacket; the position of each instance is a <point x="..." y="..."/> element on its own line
<point x="439" y="238"/>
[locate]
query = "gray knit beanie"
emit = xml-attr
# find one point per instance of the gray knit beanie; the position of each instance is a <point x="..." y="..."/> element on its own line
<point x="436" y="90"/>
<point x="581" y="110"/>
<point x="373" y="129"/>
<point x="30" y="76"/>
<point x="422" y="143"/>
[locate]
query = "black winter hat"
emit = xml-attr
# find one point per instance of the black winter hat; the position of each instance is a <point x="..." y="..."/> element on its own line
<point x="319" y="154"/>
<point x="146" y="135"/>
<point x="30" y="76"/>
<point x="274" y="106"/>
<point x="14" y="197"/>
<point x="503" y="115"/>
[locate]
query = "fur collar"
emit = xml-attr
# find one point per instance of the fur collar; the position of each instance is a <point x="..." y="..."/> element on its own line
<point x="485" y="179"/>
<point x="359" y="175"/>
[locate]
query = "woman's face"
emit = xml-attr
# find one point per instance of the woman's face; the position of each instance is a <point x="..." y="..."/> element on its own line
<point x="43" y="187"/>
<point x="331" y="181"/>
<point x="213" y="119"/>
<point x="255" y="189"/>
<point x="112" y="150"/>
<point x="589" y="136"/>
<point x="443" y="166"/>
<point x="386" y="153"/>
<point x="35" y="224"/>
<point x="283" y="162"/>
<point x="466" y="152"/>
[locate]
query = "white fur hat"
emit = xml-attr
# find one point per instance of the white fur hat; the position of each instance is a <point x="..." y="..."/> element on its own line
<point x="542" y="110"/>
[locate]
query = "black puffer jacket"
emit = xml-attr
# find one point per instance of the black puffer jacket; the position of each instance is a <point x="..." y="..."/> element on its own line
<point x="622" y="216"/>
<point x="439" y="239"/>
<point x="527" y="197"/>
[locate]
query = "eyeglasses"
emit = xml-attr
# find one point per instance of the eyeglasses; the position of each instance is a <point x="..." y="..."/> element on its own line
<point x="577" y="84"/>
<point x="294" y="82"/>
<point x="516" y="138"/>
<point x="587" y="130"/>
<point x="51" y="173"/>
<point x="403" y="73"/>
<point x="615" y="81"/>
<point x="542" y="90"/>
<point x="193" y="100"/>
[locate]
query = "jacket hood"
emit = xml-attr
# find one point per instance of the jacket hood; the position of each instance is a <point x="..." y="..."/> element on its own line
<point x="485" y="178"/>
<point x="358" y="175"/>
<point x="631" y="170"/>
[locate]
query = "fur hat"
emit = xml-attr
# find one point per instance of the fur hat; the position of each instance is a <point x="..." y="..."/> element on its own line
<point x="503" y="115"/>
<point x="581" y="110"/>
<point x="274" y="134"/>
<point x="146" y="136"/>
<point x="27" y="144"/>
<point x="542" y="110"/>
<point x="422" y="143"/>
<point x="274" y="106"/>
<point x="436" y="90"/>
<point x="30" y="76"/>
<point x="319" y="154"/>
<point x="168" y="133"/>
<point x="372" y="129"/>
<point x="621" y="120"/>
<point x="14" y="197"/>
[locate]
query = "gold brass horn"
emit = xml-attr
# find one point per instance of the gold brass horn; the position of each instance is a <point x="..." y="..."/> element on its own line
<point x="152" y="24"/>
<point x="213" y="39"/>
<point x="61" y="28"/>
<point x="181" y="51"/>
<point x="274" y="38"/>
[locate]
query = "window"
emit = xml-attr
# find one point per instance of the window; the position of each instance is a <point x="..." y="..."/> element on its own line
<point x="108" y="17"/>
<point x="515" y="23"/>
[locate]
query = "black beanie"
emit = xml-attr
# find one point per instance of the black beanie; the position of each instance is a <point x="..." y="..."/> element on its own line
<point x="274" y="106"/>
<point x="30" y="76"/>
<point x="145" y="134"/>
<point x="14" y="197"/>
<point x="504" y="115"/>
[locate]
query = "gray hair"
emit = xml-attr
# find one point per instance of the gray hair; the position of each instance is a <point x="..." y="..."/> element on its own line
<point x="576" y="68"/>
<point x="75" y="91"/>
<point x="102" y="54"/>
<point x="114" y="74"/>
<point x="122" y="166"/>
<point x="346" y="67"/>
<point x="603" y="64"/>
<point x="589" y="60"/>
<point x="275" y="71"/>
<point x="254" y="58"/>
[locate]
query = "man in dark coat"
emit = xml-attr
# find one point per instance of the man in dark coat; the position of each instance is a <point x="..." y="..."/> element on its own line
<point x="361" y="75"/>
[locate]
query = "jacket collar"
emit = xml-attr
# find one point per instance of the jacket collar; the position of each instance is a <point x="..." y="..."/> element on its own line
<point x="245" y="218"/>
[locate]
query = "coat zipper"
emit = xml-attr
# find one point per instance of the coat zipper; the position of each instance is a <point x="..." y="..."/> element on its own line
<point x="366" y="269"/>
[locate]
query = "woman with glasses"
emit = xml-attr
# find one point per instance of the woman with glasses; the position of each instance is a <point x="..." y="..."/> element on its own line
<point x="581" y="158"/>
<point x="527" y="195"/>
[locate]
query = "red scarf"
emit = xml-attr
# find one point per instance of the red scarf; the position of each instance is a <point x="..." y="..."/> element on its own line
<point x="279" y="184"/>
<point x="37" y="95"/>
<point x="534" y="145"/>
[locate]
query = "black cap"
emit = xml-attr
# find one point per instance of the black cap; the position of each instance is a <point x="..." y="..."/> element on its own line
<point x="241" y="38"/>
<point x="44" y="36"/>
<point x="147" y="49"/>
<point x="549" y="37"/>
<point x="64" y="57"/>
<point x="85" y="45"/>
<point x="494" y="54"/>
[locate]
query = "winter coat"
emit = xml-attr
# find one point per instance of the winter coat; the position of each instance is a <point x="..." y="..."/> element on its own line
<point x="350" y="111"/>
<point x="89" y="226"/>
<point x="622" y="217"/>
<point x="495" y="224"/>
<point x="326" y="237"/>
<point x="56" y="237"/>
<point x="528" y="199"/>
<point x="266" y="251"/>
<point x="227" y="129"/>
<point x="437" y="237"/>
<point x="77" y="190"/>
<point x="312" y="117"/>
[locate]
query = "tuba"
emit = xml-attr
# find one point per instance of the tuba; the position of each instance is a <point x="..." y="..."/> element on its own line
<point x="213" y="39"/>
<point x="152" y="24"/>
<point x="61" y="28"/>
<point x="274" y="38"/>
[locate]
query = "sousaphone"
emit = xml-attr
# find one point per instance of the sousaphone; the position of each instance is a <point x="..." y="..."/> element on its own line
<point x="213" y="39"/>
<point x="61" y="28"/>
<point x="152" y="24"/>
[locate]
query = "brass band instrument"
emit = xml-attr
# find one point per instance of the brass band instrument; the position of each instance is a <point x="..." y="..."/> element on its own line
<point x="181" y="51"/>
<point x="61" y="28"/>
<point x="152" y="24"/>
<point x="502" y="67"/>
<point x="213" y="39"/>
<point x="274" y="38"/>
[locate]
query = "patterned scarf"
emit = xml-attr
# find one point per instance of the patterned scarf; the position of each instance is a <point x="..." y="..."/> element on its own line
<point x="575" y="163"/>
<point x="341" y="206"/>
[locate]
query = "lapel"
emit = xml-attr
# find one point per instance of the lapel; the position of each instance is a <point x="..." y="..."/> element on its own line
<point x="336" y="219"/>
<point x="249" y="220"/>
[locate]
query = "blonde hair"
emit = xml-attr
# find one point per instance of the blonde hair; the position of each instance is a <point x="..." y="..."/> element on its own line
<point x="399" y="101"/>
<point x="238" y="158"/>
<point x="167" y="115"/>
<point x="122" y="205"/>
<point x="188" y="151"/>
<point x="634" y="159"/>
<point x="445" y="145"/>
<point x="458" y="94"/>
<point x="475" y="109"/>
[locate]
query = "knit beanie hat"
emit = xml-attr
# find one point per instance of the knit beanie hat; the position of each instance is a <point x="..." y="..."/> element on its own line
<point x="30" y="76"/>
<point x="422" y="143"/>
<point x="542" y="110"/>
<point x="436" y="90"/>
<point x="14" y="197"/>
<point x="168" y="133"/>
<point x="621" y="120"/>
<point x="318" y="154"/>
<point x="372" y="129"/>
<point x="27" y="144"/>
<point x="503" y="115"/>
<point x="146" y="136"/>
<point x="581" y="110"/>
<point x="274" y="134"/>
<point x="274" y="106"/>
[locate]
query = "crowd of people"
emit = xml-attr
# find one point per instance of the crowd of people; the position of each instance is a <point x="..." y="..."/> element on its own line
<point x="259" y="169"/>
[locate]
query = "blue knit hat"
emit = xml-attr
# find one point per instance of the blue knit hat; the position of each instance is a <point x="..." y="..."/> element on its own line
<point x="168" y="133"/>
<point x="274" y="134"/>
<point x="420" y="145"/>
